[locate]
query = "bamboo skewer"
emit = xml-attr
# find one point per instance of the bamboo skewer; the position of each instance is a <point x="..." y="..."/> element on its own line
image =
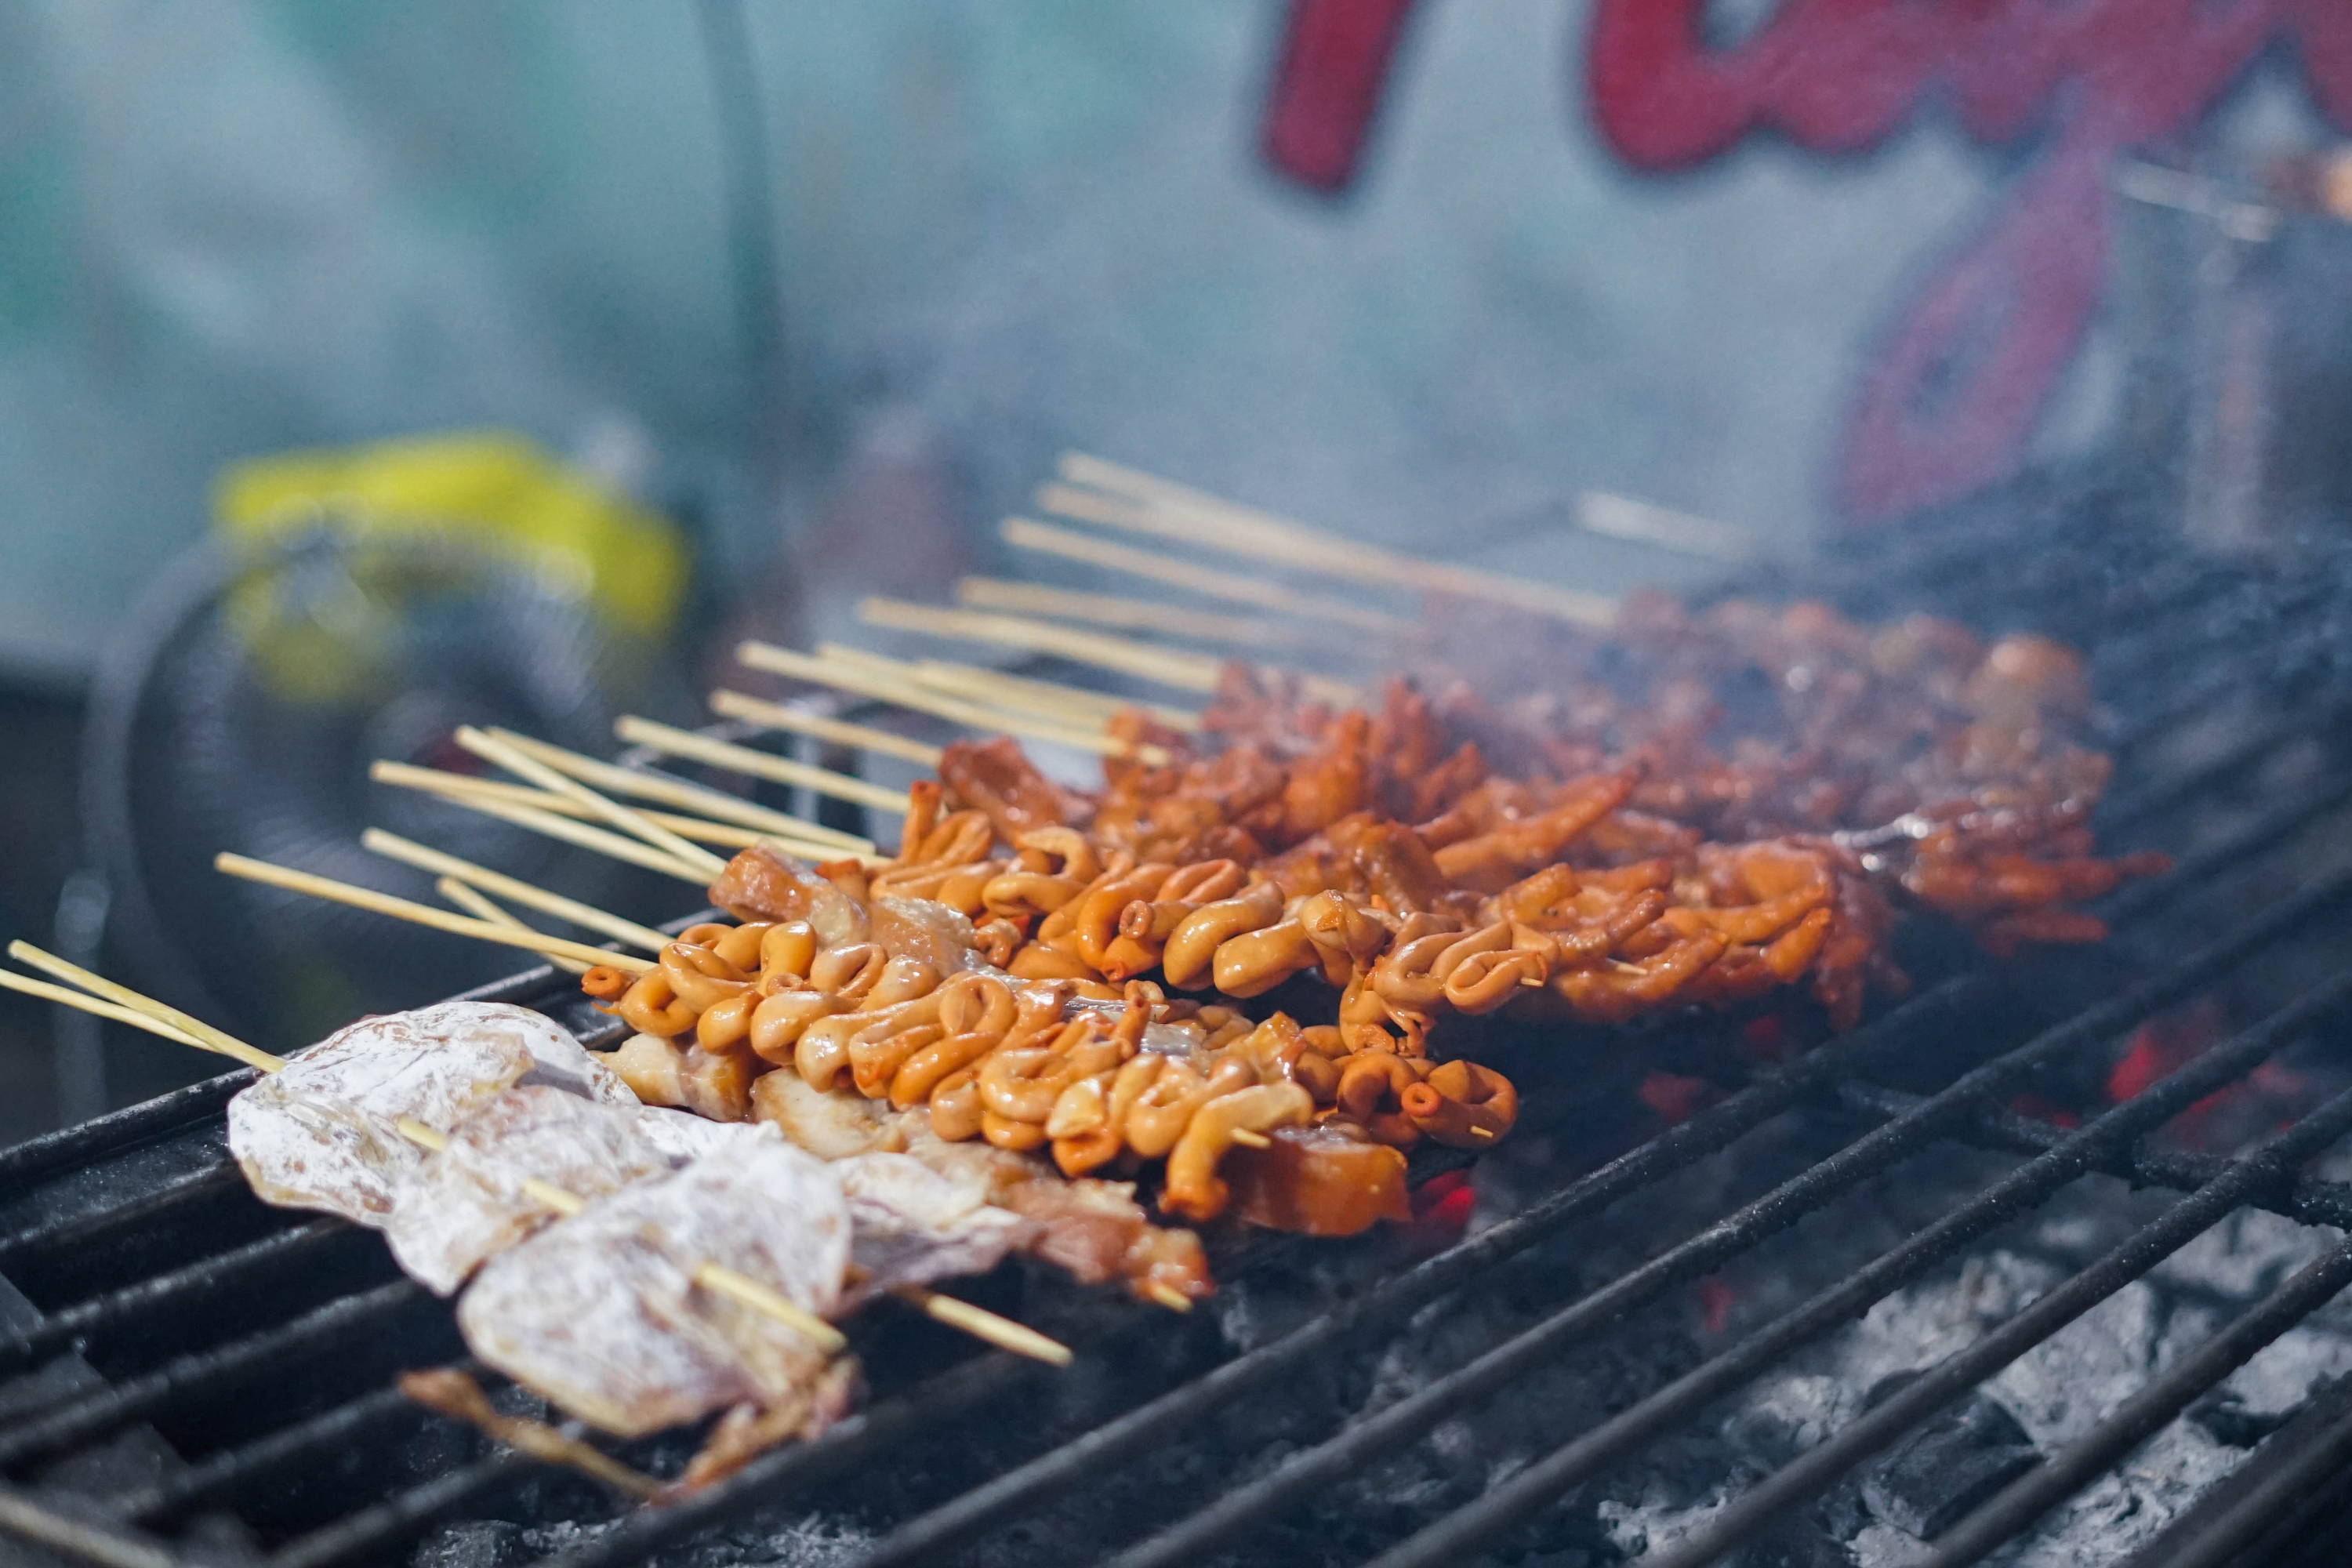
<point x="673" y="742"/>
<point x="130" y="1006"/>
<point x="868" y="681"/>
<point x="1144" y="661"/>
<point x="707" y="803"/>
<point x="493" y="747"/>
<point x="1003" y="1333"/>
<point x="1121" y="613"/>
<point x="1064" y="715"/>
<point x="983" y="683"/>
<point x="426" y="859"/>
<point x="1662" y="528"/>
<point x="1068" y="711"/>
<point x="465" y="789"/>
<point x="1209" y="581"/>
<point x="576" y="833"/>
<point x="192" y="1032"/>
<point x="1166" y="666"/>
<point x="91" y="1004"/>
<point x="196" y="1030"/>
<point x="840" y="732"/>
<point x="368" y="898"/>
<point x="480" y="905"/>
<point x="1093" y="709"/>
<point x="1144" y="503"/>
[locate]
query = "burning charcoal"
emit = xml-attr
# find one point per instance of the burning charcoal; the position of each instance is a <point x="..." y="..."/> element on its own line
<point x="2226" y="1420"/>
<point x="480" y="1543"/>
<point x="1960" y="1458"/>
<point x="1794" y="1543"/>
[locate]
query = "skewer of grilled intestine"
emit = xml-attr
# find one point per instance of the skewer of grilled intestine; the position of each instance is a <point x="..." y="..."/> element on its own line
<point x="1322" y="810"/>
<point x="1021" y="1060"/>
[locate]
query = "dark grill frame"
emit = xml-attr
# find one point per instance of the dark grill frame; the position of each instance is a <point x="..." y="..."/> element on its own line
<point x="2170" y="606"/>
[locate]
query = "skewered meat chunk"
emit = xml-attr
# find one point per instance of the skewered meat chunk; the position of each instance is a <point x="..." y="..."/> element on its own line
<point x="912" y="1225"/>
<point x="764" y="883"/>
<point x="1094" y="1230"/>
<point x="600" y="1312"/>
<point x="832" y="1124"/>
<point x="323" y="1134"/>
<point x="1329" y="1180"/>
<point x="997" y="777"/>
<point x="467" y="1201"/>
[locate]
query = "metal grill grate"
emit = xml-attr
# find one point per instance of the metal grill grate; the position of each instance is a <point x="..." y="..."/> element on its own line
<point x="186" y="1376"/>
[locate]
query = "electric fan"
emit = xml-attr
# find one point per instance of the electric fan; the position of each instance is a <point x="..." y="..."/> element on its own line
<point x="241" y="709"/>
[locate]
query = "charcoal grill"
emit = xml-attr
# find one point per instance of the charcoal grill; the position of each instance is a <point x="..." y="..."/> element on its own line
<point x="187" y="1377"/>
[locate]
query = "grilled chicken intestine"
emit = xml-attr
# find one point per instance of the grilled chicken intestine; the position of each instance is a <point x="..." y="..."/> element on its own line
<point x="322" y="1132"/>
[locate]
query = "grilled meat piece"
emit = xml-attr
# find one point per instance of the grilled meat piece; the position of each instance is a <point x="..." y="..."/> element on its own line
<point x="467" y="1201"/>
<point x="323" y="1134"/>
<point x="602" y="1314"/>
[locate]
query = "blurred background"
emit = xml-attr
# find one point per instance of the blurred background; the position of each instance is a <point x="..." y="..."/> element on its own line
<point x="365" y="370"/>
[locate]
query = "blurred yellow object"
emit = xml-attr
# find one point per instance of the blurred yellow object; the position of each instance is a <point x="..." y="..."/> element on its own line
<point x="493" y="490"/>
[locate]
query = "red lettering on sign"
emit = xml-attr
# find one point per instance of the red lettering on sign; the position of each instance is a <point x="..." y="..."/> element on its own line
<point x="1334" y="64"/>
<point x="1950" y="402"/>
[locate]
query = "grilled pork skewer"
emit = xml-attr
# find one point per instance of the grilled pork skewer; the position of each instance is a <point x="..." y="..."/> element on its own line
<point x="322" y="1132"/>
<point x="832" y="1236"/>
<point x="360" y="1159"/>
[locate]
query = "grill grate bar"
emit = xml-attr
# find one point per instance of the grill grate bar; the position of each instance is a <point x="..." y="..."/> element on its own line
<point x="200" y="1278"/>
<point x="175" y="1495"/>
<point x="72" y="1147"/>
<point x="1536" y="1487"/>
<point x="2185" y="703"/>
<point x="2140" y="1417"/>
<point x="2269" y="1165"/>
<point x="2311" y="1201"/>
<point x="80" y="1230"/>
<point x="1410" y="1418"/>
<point x="85" y="1418"/>
<point x="23" y="1514"/>
<point x="2258" y="1514"/>
<point x="2130" y="810"/>
<point x="401" y="1516"/>
<point x="788" y="1471"/>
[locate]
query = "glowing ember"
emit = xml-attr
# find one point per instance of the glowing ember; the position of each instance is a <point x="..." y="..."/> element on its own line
<point x="1715" y="1301"/>
<point x="1674" y="1097"/>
